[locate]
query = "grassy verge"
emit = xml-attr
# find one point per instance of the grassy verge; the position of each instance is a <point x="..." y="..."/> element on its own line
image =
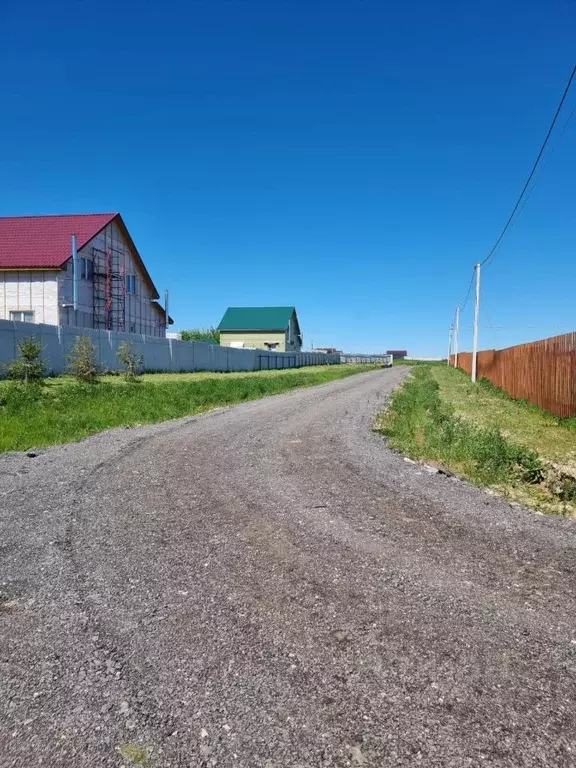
<point x="162" y="378"/>
<point x="408" y="361"/>
<point x="440" y="417"/>
<point x="485" y="405"/>
<point x="63" y="410"/>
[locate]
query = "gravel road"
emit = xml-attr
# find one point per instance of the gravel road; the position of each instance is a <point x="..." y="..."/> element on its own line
<point x="269" y="586"/>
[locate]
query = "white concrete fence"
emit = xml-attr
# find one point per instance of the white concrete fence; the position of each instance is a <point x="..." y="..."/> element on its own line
<point x="159" y="354"/>
<point x="384" y="360"/>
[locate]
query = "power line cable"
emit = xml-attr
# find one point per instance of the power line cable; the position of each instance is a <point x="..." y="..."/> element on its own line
<point x="492" y="327"/>
<point x="519" y="327"/>
<point x="523" y="198"/>
<point x="534" y="167"/>
<point x="465" y="302"/>
<point x="544" y="166"/>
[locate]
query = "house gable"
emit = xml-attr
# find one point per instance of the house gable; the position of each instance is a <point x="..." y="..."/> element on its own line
<point x="261" y="327"/>
<point x="37" y="280"/>
<point x="45" y="242"/>
<point x="257" y="319"/>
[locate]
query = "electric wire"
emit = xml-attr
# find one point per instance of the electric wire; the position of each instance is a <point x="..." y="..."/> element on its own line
<point x="492" y="327"/>
<point x="465" y="302"/>
<point x="533" y="171"/>
<point x="546" y="164"/>
<point x="523" y="197"/>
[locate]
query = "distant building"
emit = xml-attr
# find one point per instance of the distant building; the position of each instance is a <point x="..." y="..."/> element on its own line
<point x="328" y="350"/>
<point x="273" y="328"/>
<point x="113" y="287"/>
<point x="397" y="354"/>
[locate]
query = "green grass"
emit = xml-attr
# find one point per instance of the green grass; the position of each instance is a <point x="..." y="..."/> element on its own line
<point x="408" y="361"/>
<point x="485" y="405"/>
<point x="64" y="410"/>
<point x="440" y="417"/>
<point x="162" y="378"/>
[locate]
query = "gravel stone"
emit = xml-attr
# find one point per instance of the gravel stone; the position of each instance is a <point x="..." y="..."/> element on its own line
<point x="276" y="568"/>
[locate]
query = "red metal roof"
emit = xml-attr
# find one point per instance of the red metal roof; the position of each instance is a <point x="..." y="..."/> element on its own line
<point x="45" y="242"/>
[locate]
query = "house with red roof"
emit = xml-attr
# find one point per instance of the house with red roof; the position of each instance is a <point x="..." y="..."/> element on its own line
<point x="80" y="270"/>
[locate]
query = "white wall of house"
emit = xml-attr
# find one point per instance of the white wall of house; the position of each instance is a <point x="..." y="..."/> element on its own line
<point x="140" y="315"/>
<point x="292" y="342"/>
<point x="29" y="290"/>
<point x="50" y="293"/>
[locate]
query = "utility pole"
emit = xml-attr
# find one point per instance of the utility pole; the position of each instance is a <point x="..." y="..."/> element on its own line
<point x="476" y="314"/>
<point x="76" y="276"/>
<point x="449" y="343"/>
<point x="456" y="337"/>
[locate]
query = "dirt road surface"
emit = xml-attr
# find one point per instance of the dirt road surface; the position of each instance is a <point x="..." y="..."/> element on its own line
<point x="270" y="586"/>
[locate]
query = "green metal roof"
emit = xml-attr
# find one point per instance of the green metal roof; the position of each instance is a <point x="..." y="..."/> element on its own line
<point x="256" y="319"/>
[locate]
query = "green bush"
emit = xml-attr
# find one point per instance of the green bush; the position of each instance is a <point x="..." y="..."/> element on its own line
<point x="131" y="360"/>
<point x="29" y="367"/>
<point x="201" y="334"/>
<point x="82" y="361"/>
<point x="422" y="425"/>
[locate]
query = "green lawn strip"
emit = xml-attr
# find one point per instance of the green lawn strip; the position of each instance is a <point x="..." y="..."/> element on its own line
<point x="161" y="378"/>
<point x="65" y="411"/>
<point x="408" y="361"/>
<point x="440" y="417"/>
<point x="486" y="406"/>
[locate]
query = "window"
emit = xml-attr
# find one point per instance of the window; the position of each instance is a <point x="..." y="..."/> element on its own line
<point x="86" y="269"/>
<point x="131" y="284"/>
<point x="22" y="317"/>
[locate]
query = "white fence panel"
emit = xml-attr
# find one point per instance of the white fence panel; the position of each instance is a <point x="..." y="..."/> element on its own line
<point x="158" y="354"/>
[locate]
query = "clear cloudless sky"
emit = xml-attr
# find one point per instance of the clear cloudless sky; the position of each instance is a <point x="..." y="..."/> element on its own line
<point x="353" y="158"/>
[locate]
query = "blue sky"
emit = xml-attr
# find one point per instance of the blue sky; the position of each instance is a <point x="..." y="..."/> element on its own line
<point x="352" y="158"/>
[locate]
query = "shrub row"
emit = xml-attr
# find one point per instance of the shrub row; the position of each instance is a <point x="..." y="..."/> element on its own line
<point x="424" y="426"/>
<point x="83" y="364"/>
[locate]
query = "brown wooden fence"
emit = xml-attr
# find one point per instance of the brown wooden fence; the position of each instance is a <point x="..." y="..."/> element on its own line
<point x="541" y="372"/>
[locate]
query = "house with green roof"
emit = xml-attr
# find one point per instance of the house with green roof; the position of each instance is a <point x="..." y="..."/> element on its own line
<point x="272" y="328"/>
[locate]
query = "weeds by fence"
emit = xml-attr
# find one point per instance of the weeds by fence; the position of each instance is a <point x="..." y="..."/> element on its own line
<point x="423" y="425"/>
<point x="540" y="372"/>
